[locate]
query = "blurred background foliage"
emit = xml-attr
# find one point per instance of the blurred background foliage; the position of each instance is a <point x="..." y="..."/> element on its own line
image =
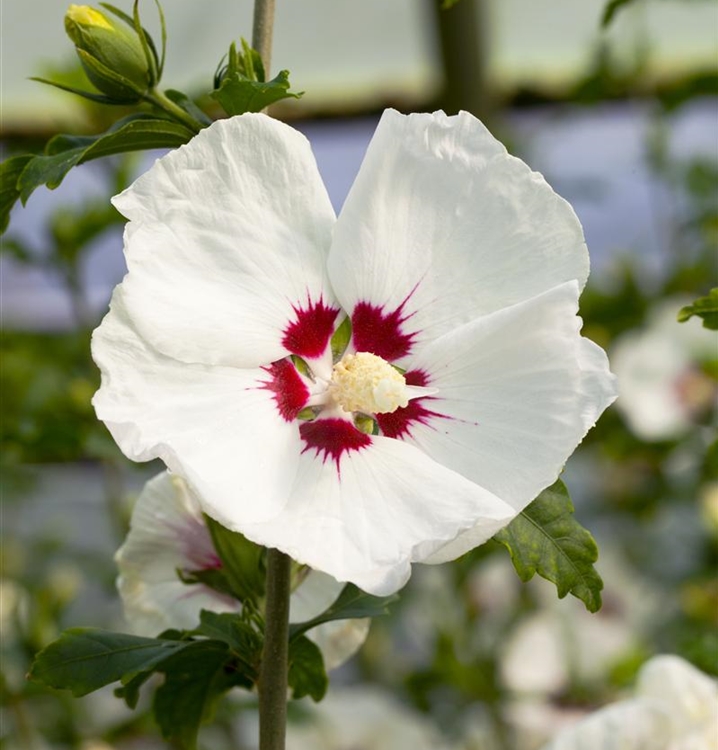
<point x="489" y="662"/>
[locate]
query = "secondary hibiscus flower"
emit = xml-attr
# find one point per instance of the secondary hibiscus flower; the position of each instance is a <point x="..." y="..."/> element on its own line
<point x="168" y="534"/>
<point x="464" y="385"/>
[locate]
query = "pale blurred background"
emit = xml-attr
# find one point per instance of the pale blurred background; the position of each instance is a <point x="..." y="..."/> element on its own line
<point x="623" y="122"/>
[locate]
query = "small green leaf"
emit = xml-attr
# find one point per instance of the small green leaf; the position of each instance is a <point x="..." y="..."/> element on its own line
<point x="705" y="308"/>
<point x="242" y="561"/>
<point x="351" y="603"/>
<point x="10" y="171"/>
<point x="307" y="675"/>
<point x="63" y="152"/>
<point x="240" y="636"/>
<point x="130" y="692"/>
<point x="611" y="9"/>
<point x="85" y="659"/>
<point x="238" y="93"/>
<point x="545" y="538"/>
<point x="195" y="679"/>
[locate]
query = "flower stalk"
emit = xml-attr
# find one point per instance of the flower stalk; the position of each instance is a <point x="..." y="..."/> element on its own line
<point x="275" y="655"/>
<point x="158" y="99"/>
<point x="262" y="28"/>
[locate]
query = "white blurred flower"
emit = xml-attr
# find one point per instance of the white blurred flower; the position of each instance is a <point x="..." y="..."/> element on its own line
<point x="359" y="718"/>
<point x="675" y="707"/>
<point x="661" y="386"/>
<point x="167" y="534"/>
<point x="464" y="385"/>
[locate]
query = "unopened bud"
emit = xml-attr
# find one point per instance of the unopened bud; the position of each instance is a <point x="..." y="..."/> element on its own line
<point x="111" y="53"/>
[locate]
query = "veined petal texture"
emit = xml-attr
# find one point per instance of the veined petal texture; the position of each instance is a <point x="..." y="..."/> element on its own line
<point x="227" y="236"/>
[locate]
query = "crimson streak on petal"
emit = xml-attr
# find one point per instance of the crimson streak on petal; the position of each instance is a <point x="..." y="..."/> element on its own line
<point x="332" y="438"/>
<point x="290" y="392"/>
<point x="308" y="336"/>
<point x="379" y="332"/>
<point x="398" y="423"/>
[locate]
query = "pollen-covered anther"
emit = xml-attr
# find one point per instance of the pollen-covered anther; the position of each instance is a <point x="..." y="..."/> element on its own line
<point x="366" y="383"/>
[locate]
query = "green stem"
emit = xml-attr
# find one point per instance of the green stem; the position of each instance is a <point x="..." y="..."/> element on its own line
<point x="262" y="28"/>
<point x="275" y="654"/>
<point x="157" y="98"/>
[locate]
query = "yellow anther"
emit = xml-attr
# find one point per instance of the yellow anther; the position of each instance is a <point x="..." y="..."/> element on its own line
<point x="367" y="383"/>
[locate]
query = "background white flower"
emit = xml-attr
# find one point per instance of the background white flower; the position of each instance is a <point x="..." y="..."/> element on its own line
<point x="167" y="534"/>
<point x="454" y="263"/>
<point x="675" y="708"/>
<point x="662" y="386"/>
<point x="359" y="718"/>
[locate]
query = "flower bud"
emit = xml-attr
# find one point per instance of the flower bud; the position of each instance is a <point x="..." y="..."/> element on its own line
<point x="111" y="53"/>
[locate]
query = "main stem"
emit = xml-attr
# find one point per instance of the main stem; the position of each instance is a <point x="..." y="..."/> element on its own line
<point x="274" y="670"/>
<point x="275" y="655"/>
<point x="262" y="28"/>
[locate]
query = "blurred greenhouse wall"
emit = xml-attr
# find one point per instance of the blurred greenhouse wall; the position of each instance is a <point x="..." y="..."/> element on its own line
<point x="623" y="122"/>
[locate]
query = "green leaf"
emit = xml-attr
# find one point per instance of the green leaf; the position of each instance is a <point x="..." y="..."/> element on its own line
<point x="245" y="642"/>
<point x="242" y="561"/>
<point x="238" y="94"/>
<point x="611" y="9"/>
<point x="130" y="692"/>
<point x="307" y="675"/>
<point x="351" y="603"/>
<point x="85" y="659"/>
<point x="63" y="152"/>
<point x="546" y="539"/>
<point x="195" y="679"/>
<point x="705" y="308"/>
<point x="10" y="171"/>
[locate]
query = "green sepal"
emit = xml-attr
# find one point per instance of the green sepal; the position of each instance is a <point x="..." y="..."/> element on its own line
<point x="705" y="308"/>
<point x="63" y="152"/>
<point x="242" y="561"/>
<point x="85" y="659"/>
<point x="91" y="95"/>
<point x="545" y="538"/>
<point x="307" y="675"/>
<point x="120" y="89"/>
<point x="352" y="603"/>
<point x="340" y="338"/>
<point x="10" y="171"/>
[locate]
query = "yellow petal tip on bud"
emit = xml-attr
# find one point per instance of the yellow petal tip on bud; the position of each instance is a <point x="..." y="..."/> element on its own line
<point x="87" y="16"/>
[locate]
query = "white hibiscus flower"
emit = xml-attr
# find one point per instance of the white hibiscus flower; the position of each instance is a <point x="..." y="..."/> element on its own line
<point x="675" y="708"/>
<point x="168" y="534"/>
<point x="663" y="387"/>
<point x="465" y="384"/>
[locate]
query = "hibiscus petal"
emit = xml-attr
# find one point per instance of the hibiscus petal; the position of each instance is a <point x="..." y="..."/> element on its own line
<point x="517" y="392"/>
<point x="364" y="514"/>
<point x="227" y="245"/>
<point x="339" y="639"/>
<point x="167" y="533"/>
<point x="220" y="428"/>
<point x="441" y="226"/>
